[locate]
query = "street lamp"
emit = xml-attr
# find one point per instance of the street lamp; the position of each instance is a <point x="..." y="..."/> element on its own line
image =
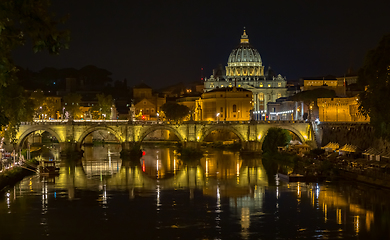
<point x="217" y="117"/>
<point x="157" y="117"/>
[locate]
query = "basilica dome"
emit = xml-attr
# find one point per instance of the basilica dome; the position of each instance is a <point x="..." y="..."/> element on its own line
<point x="244" y="52"/>
<point x="244" y="60"/>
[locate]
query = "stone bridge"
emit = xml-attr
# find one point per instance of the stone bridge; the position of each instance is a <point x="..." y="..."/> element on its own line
<point x="71" y="134"/>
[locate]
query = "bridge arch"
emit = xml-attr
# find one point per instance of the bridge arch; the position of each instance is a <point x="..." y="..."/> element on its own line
<point x="30" y="130"/>
<point x="97" y="128"/>
<point x="151" y="129"/>
<point x="286" y="127"/>
<point x="225" y="127"/>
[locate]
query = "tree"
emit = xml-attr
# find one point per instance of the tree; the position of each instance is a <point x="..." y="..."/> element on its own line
<point x="21" y="20"/>
<point x="309" y="97"/>
<point x="174" y="111"/>
<point x="276" y="137"/>
<point x="375" y="77"/>
<point x="44" y="107"/>
<point x="72" y="104"/>
<point x="103" y="108"/>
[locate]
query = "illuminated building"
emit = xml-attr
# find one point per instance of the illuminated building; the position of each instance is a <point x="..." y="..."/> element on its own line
<point x="245" y="69"/>
<point x="340" y="110"/>
<point x="147" y="104"/>
<point x="224" y="104"/>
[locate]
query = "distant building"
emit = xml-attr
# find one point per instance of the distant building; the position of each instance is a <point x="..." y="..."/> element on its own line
<point x="147" y="104"/>
<point x="284" y="109"/>
<point x="338" y="84"/>
<point x="340" y="110"/>
<point x="245" y="70"/>
<point x="224" y="104"/>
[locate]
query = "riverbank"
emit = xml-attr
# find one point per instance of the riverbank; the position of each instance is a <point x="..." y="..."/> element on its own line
<point x="330" y="167"/>
<point x="12" y="176"/>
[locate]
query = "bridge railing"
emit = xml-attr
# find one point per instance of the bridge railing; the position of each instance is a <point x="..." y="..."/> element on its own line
<point x="140" y="122"/>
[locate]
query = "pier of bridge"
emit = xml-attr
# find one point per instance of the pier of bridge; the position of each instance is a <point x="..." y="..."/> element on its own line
<point x="71" y="134"/>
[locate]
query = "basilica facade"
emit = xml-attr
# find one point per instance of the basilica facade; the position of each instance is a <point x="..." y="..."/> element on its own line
<point x="245" y="70"/>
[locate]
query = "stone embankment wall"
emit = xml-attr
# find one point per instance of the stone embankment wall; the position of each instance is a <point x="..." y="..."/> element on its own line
<point x="358" y="134"/>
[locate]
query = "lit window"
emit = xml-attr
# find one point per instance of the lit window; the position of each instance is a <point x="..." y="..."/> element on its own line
<point x="269" y="85"/>
<point x="261" y="96"/>
<point x="261" y="84"/>
<point x="239" y="85"/>
<point x="279" y="84"/>
<point x="221" y="85"/>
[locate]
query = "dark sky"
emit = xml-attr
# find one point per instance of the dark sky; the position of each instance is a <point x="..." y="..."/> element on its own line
<point x="165" y="42"/>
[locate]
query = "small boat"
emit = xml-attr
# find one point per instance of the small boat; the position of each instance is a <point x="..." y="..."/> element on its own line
<point x="292" y="177"/>
<point x="48" y="168"/>
<point x="300" y="178"/>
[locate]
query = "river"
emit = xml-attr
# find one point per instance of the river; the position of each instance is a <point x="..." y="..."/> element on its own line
<point x="161" y="196"/>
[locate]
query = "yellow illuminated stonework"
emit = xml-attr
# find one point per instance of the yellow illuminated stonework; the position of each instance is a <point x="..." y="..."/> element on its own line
<point x="224" y="104"/>
<point x="244" y="60"/>
<point x="340" y="110"/>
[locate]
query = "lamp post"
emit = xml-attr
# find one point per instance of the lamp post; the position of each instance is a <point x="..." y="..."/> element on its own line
<point x="157" y="117"/>
<point x="217" y="117"/>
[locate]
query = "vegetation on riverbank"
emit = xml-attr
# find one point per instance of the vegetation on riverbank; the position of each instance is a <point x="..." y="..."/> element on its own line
<point x="309" y="165"/>
<point x="16" y="174"/>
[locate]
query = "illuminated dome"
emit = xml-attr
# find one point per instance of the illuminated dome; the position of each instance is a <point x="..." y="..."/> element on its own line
<point x="244" y="60"/>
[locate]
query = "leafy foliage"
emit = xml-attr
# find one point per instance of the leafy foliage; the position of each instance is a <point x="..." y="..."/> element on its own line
<point x="72" y="104"/>
<point x="276" y="137"/>
<point x="375" y="76"/>
<point x="103" y="108"/>
<point x="42" y="104"/>
<point x="21" y="20"/>
<point x="174" y="111"/>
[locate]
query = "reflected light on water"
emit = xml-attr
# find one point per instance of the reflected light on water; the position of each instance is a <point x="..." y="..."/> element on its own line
<point x="234" y="203"/>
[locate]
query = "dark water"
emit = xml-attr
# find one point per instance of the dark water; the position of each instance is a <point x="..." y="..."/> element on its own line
<point x="221" y="196"/>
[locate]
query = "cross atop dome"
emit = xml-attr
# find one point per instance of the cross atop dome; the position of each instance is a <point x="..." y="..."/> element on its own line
<point x="244" y="37"/>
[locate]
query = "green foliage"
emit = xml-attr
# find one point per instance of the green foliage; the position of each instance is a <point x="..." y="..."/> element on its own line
<point x="174" y="111"/>
<point x="72" y="104"/>
<point x="21" y="20"/>
<point x="103" y="108"/>
<point x="43" y="105"/>
<point x="276" y="137"/>
<point x="15" y="107"/>
<point x="375" y="76"/>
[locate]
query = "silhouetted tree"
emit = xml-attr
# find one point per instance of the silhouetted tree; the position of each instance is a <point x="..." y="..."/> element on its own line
<point x="21" y="20"/>
<point x="375" y="77"/>
<point x="174" y="111"/>
<point x="276" y="137"/>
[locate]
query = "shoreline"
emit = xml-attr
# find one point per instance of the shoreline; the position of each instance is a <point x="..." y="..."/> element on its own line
<point x="10" y="177"/>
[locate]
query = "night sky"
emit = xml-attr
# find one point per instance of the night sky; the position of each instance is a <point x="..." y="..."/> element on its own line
<point x="165" y="42"/>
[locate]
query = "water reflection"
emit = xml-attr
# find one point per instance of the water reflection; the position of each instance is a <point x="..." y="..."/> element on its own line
<point x="221" y="195"/>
